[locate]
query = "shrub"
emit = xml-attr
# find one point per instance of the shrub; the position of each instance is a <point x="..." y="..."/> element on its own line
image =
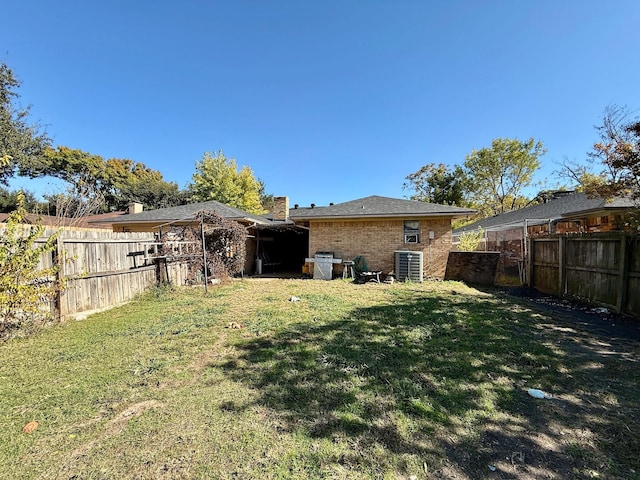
<point x="469" y="241"/>
<point x="25" y="287"/>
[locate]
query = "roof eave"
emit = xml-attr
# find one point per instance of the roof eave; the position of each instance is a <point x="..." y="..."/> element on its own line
<point x="384" y="215"/>
<point x="591" y="211"/>
<point x="167" y="221"/>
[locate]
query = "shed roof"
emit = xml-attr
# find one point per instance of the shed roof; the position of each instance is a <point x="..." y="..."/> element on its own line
<point x="558" y="209"/>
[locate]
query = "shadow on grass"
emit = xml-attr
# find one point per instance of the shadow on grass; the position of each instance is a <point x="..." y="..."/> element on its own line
<point x="441" y="382"/>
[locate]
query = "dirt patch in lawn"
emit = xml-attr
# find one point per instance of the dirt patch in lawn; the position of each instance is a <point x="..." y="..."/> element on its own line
<point x="600" y="321"/>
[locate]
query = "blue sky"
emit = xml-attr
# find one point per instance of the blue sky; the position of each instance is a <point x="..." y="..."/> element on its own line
<point x="325" y="101"/>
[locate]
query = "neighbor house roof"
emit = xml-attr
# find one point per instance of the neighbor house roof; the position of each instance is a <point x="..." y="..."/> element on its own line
<point x="33" y="218"/>
<point x="377" y="206"/>
<point x="185" y="213"/>
<point x="91" y="221"/>
<point x="570" y="205"/>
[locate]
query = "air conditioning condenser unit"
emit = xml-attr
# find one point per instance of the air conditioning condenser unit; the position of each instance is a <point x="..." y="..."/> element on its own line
<point x="409" y="266"/>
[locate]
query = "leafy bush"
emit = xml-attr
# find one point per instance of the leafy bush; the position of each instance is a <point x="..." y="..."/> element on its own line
<point x="25" y="287"/>
<point x="469" y="241"/>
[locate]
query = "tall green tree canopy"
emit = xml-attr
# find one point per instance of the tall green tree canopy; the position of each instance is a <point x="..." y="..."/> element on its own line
<point x="105" y="184"/>
<point x="20" y="141"/>
<point x="217" y="178"/>
<point x="134" y="182"/>
<point x="438" y="184"/>
<point x="499" y="174"/>
<point x="11" y="200"/>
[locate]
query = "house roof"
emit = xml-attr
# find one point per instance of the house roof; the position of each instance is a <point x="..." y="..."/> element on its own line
<point x="562" y="208"/>
<point x="188" y="212"/>
<point x="377" y="206"/>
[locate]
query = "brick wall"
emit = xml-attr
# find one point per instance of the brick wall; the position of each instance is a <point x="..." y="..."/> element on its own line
<point x="473" y="267"/>
<point x="377" y="239"/>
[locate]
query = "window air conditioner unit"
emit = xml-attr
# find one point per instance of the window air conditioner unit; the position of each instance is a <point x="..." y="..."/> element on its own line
<point x="411" y="238"/>
<point x="409" y="266"/>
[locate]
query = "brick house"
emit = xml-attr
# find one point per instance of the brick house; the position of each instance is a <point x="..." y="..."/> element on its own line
<point x="373" y="227"/>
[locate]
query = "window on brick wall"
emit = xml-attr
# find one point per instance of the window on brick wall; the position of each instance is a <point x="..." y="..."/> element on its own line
<point x="411" y="231"/>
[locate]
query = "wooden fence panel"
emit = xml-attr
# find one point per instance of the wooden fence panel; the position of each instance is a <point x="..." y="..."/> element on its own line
<point x="632" y="297"/>
<point x="593" y="268"/>
<point x="603" y="269"/>
<point x="104" y="269"/>
<point x="100" y="270"/>
<point x="178" y="272"/>
<point x="545" y="254"/>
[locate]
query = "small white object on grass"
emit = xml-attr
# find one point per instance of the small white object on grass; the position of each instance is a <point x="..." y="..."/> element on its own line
<point x="294" y="299"/>
<point x="535" y="393"/>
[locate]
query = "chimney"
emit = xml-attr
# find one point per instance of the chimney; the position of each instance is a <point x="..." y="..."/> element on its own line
<point x="281" y="208"/>
<point x="135" y="207"/>
<point x="562" y="193"/>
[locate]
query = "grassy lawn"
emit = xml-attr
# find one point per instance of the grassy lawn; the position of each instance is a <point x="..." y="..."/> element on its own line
<point x="352" y="381"/>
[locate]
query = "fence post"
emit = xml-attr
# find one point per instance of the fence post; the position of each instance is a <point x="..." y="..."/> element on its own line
<point x="623" y="272"/>
<point x="562" y="265"/>
<point x="530" y="280"/>
<point x="58" y="259"/>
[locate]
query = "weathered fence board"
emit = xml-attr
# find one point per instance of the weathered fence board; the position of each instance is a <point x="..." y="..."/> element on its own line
<point x="544" y="262"/>
<point x="103" y="269"/>
<point x="99" y="270"/>
<point x="632" y="297"/>
<point x="600" y="268"/>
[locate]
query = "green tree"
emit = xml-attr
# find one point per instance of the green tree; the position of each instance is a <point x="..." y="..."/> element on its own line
<point x="20" y="141"/>
<point x="618" y="155"/>
<point x="135" y="182"/>
<point x="96" y="184"/>
<point x="10" y="200"/>
<point x="614" y="162"/>
<point x="217" y="178"/>
<point x="438" y="184"/>
<point x="499" y="174"/>
<point x="84" y="174"/>
<point x="613" y="165"/>
<point x="24" y="286"/>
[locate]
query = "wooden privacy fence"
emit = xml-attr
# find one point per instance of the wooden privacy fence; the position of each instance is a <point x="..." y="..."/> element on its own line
<point x="603" y="269"/>
<point x="103" y="269"/>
